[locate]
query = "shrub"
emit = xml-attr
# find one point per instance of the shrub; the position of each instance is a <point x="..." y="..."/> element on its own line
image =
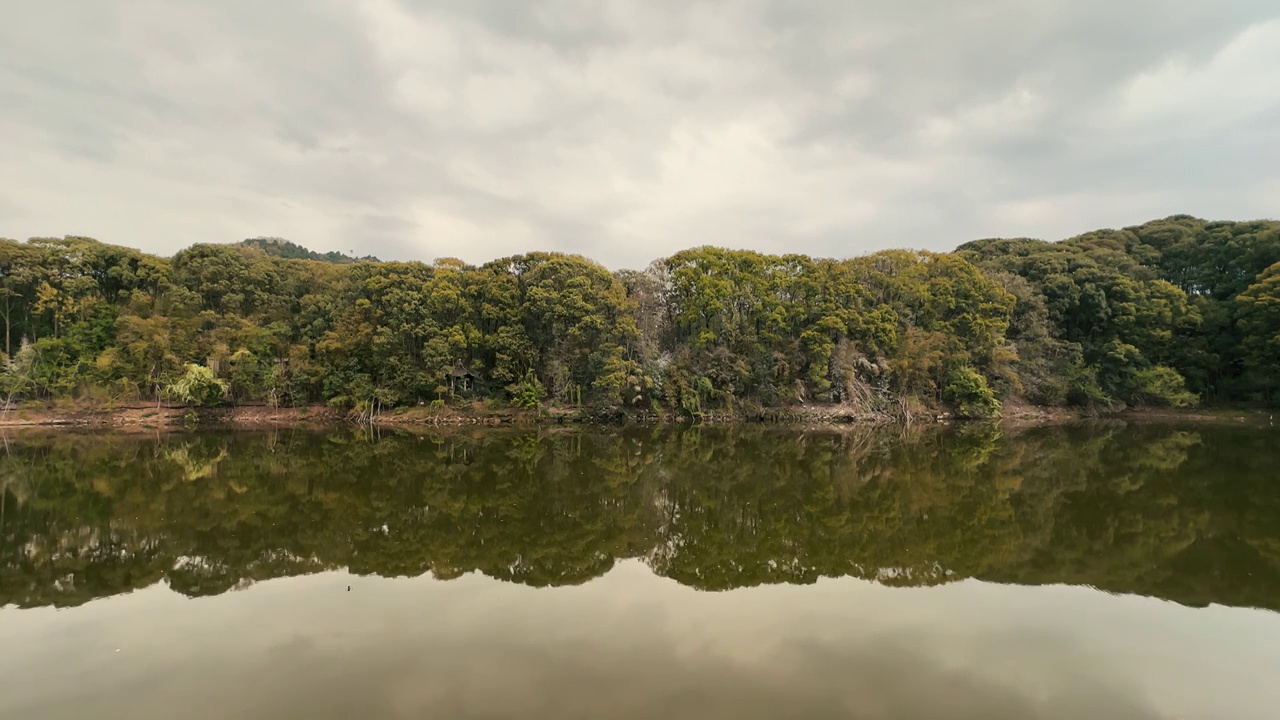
<point x="528" y="393"/>
<point x="197" y="386"/>
<point x="968" y="390"/>
<point x="1161" y="385"/>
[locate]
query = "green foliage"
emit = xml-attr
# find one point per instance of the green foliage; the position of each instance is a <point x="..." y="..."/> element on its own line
<point x="197" y="386"/>
<point x="1161" y="385"/>
<point x="1154" y="311"/>
<point x="1258" y="313"/>
<point x="281" y="248"/>
<point x="1167" y="313"/>
<point x="528" y="393"/>
<point x="973" y="398"/>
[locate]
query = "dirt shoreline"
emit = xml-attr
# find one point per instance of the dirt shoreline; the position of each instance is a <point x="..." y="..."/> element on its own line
<point x="149" y="416"/>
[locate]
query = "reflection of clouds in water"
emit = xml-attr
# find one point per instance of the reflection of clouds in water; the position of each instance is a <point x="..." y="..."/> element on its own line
<point x="738" y="508"/>
<point x="890" y="677"/>
<point x="628" y="646"/>
<point x="632" y="645"/>
<point x="987" y="676"/>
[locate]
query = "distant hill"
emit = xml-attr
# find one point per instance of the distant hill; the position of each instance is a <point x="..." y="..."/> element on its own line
<point x="279" y="247"/>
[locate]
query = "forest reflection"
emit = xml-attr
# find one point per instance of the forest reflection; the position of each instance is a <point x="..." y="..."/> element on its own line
<point x="1186" y="513"/>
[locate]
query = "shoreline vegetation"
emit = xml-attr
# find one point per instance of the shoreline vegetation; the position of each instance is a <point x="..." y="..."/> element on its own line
<point x="1166" y="316"/>
<point x="149" y="417"/>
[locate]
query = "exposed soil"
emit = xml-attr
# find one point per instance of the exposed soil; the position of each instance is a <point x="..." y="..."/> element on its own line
<point x="1017" y="412"/>
<point x="165" y="416"/>
<point x="149" y="416"/>
<point x="1222" y="415"/>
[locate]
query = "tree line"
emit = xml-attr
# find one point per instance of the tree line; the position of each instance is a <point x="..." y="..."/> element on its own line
<point x="1173" y="312"/>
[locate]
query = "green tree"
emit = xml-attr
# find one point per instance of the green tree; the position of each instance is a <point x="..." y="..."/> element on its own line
<point x="197" y="386"/>
<point x="1258" y="311"/>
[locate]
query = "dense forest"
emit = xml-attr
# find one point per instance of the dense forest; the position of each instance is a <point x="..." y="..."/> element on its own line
<point x="1173" y="312"/>
<point x="1190" y="516"/>
<point x="279" y="247"/>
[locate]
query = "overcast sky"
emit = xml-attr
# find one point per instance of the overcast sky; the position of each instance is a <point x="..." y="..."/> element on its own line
<point x="628" y="129"/>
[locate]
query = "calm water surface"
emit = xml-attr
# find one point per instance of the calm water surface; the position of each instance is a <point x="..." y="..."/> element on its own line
<point x="1097" y="571"/>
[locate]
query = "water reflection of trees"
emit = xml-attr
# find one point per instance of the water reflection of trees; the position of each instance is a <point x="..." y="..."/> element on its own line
<point x="1187" y="515"/>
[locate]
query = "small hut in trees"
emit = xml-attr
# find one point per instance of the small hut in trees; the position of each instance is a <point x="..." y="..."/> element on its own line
<point x="462" y="380"/>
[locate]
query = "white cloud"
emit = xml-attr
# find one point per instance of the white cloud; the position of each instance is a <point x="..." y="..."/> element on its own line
<point x="627" y="130"/>
<point x="1241" y="82"/>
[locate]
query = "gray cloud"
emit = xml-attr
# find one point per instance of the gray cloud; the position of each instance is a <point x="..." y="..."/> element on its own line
<point x="626" y="130"/>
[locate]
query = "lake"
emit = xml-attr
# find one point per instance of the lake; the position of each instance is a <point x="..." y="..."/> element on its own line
<point x="1086" y="571"/>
